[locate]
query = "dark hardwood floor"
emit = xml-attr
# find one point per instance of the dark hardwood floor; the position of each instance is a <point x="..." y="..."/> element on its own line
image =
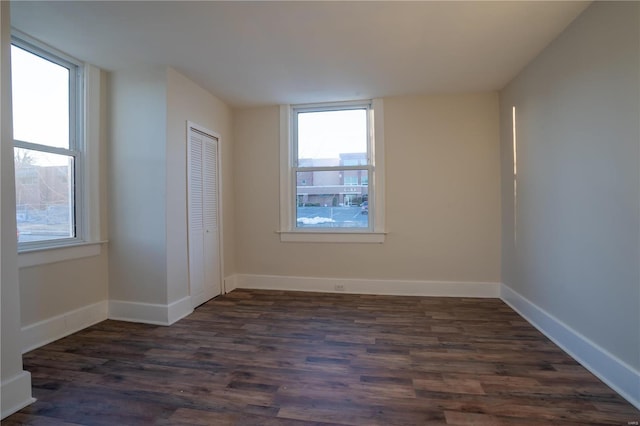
<point x="290" y="358"/>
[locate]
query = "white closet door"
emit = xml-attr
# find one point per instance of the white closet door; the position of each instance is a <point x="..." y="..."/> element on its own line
<point x="202" y="188"/>
<point x="211" y="231"/>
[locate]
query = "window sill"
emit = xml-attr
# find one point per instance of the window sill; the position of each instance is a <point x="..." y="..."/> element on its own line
<point x="46" y="255"/>
<point x="332" y="237"/>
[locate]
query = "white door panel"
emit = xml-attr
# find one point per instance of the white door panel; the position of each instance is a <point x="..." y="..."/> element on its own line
<point x="204" y="236"/>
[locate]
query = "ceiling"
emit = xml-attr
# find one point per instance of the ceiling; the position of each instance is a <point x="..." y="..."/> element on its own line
<point x="256" y="53"/>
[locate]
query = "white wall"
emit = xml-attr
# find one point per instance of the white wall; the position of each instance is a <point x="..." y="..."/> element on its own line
<point x="442" y="192"/>
<point x="15" y="385"/>
<point x="148" y="264"/>
<point x="188" y="101"/>
<point x="57" y="288"/>
<point x="137" y="190"/>
<point x="572" y="248"/>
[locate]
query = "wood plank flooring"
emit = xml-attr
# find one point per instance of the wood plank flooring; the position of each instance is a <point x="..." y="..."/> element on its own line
<point x="290" y="358"/>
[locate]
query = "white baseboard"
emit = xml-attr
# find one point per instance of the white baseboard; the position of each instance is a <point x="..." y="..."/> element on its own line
<point x="179" y="309"/>
<point x="51" y="329"/>
<point x="366" y="286"/>
<point x="618" y="375"/>
<point x="150" y="313"/>
<point x="230" y="284"/>
<point x="15" y="394"/>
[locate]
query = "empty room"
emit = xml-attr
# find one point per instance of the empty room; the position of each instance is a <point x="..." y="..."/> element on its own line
<point x="322" y="212"/>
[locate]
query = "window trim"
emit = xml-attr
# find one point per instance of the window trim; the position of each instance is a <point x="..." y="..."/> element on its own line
<point x="376" y="232"/>
<point x="84" y="143"/>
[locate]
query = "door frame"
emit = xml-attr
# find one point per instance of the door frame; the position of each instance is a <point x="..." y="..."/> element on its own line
<point x="215" y="135"/>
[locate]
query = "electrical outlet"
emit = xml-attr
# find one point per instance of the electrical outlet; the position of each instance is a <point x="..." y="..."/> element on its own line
<point x="340" y="287"/>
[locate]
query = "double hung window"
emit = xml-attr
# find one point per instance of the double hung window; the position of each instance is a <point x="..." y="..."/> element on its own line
<point x="48" y="155"/>
<point x="333" y="179"/>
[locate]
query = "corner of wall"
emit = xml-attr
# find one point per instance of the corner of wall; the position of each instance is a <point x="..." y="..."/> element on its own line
<point x="15" y="394"/>
<point x="15" y="383"/>
<point x="150" y="313"/>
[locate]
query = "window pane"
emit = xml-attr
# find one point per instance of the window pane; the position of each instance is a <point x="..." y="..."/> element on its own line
<point x="331" y="138"/>
<point x="40" y="99"/>
<point x="332" y="199"/>
<point x="44" y="195"/>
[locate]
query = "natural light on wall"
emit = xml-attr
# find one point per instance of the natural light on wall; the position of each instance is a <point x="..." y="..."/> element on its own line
<point x="515" y="176"/>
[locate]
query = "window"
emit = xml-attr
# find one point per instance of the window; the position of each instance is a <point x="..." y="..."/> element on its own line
<point x="331" y="187"/>
<point x="352" y="180"/>
<point x="47" y="90"/>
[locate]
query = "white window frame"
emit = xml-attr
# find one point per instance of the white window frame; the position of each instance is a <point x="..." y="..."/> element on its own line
<point x="288" y="231"/>
<point x="84" y="139"/>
